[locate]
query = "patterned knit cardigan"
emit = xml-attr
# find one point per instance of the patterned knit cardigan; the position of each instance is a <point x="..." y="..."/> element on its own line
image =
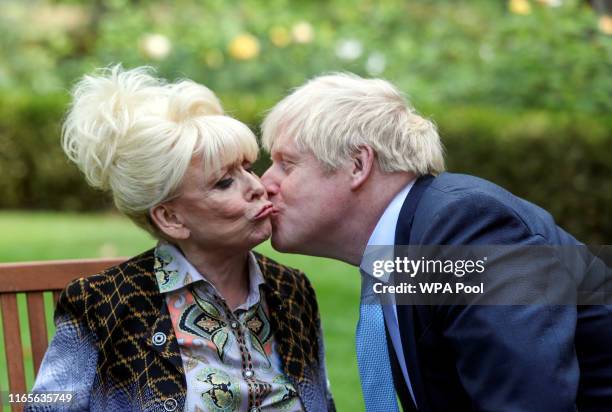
<point x="103" y="350"/>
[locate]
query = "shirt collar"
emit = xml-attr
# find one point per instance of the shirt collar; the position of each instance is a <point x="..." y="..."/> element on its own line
<point x="384" y="232"/>
<point x="173" y="271"/>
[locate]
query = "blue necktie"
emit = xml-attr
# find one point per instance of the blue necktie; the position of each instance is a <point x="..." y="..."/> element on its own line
<point x="372" y="353"/>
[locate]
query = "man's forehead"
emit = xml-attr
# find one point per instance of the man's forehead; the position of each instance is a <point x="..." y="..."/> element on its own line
<point x="285" y="145"/>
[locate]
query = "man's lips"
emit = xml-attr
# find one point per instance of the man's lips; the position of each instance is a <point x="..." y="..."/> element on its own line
<point x="265" y="211"/>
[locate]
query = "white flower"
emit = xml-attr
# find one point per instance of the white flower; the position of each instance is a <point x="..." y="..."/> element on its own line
<point x="552" y="3"/>
<point x="349" y="49"/>
<point x="376" y="63"/>
<point x="302" y="32"/>
<point x="155" y="46"/>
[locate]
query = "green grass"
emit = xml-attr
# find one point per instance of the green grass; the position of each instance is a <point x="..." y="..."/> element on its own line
<point x="40" y="236"/>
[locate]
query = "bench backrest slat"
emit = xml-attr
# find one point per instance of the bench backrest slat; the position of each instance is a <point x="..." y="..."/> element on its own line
<point x="34" y="278"/>
<point x="12" y="343"/>
<point x="51" y="275"/>
<point x="38" y="327"/>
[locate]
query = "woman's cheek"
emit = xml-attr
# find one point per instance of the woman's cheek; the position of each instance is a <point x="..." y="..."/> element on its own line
<point x="230" y="210"/>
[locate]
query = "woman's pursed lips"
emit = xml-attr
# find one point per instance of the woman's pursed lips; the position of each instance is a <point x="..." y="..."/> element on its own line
<point x="265" y="211"/>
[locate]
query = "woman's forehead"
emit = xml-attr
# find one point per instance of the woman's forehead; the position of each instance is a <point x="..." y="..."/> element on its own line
<point x="221" y="166"/>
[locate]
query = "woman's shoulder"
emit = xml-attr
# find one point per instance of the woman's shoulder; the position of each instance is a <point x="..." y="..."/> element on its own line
<point x="92" y="286"/>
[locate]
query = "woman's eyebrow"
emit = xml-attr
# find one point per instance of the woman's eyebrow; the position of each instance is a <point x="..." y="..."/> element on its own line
<point x="219" y="173"/>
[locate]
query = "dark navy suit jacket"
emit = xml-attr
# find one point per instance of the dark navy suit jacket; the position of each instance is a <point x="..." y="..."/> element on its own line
<point x="496" y="358"/>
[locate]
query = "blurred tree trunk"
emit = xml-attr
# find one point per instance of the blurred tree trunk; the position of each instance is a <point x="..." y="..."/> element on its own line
<point x="602" y="6"/>
<point x="85" y="42"/>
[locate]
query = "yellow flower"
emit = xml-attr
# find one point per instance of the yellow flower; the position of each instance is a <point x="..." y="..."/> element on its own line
<point x="244" y="47"/>
<point x="519" y="6"/>
<point x="605" y="24"/>
<point x="303" y="32"/>
<point x="279" y="36"/>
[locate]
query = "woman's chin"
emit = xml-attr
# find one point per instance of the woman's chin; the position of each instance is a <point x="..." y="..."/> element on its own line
<point x="261" y="233"/>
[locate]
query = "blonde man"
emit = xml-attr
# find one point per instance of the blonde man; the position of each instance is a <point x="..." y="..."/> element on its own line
<point x="353" y="166"/>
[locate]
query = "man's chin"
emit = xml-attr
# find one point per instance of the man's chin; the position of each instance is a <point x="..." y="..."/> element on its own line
<point x="281" y="243"/>
<point x="278" y="244"/>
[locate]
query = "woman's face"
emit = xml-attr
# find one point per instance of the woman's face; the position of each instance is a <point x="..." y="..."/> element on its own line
<point x="228" y="211"/>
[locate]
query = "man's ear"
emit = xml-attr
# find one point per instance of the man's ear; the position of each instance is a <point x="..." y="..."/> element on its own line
<point x="168" y="221"/>
<point x="362" y="166"/>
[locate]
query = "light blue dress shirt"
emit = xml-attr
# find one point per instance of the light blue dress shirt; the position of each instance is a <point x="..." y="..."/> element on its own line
<point x="384" y="235"/>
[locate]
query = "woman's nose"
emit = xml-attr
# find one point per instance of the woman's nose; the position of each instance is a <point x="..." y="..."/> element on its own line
<point x="256" y="187"/>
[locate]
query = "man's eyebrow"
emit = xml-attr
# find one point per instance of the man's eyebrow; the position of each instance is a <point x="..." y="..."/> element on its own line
<point x="291" y="152"/>
<point x="289" y="155"/>
<point x="282" y="154"/>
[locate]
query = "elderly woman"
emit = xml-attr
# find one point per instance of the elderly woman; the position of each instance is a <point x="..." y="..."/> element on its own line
<point x="200" y="322"/>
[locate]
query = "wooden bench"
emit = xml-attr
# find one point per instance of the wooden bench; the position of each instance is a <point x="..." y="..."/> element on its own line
<point x="34" y="278"/>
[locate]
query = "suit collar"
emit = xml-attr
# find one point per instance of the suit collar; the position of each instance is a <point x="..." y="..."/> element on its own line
<point x="406" y="216"/>
<point x="383" y="233"/>
<point x="406" y="313"/>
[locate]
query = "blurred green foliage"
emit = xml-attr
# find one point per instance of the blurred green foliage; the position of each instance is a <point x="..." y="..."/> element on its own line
<point x="520" y="89"/>
<point x="34" y="172"/>
<point x="560" y="161"/>
<point x="476" y="51"/>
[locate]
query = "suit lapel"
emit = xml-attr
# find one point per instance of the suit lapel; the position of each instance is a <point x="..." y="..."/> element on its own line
<point x="406" y="216"/>
<point x="406" y="313"/>
<point x="398" y="377"/>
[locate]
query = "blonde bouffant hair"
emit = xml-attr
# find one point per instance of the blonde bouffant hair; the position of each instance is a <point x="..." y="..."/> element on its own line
<point x="333" y="115"/>
<point x="134" y="135"/>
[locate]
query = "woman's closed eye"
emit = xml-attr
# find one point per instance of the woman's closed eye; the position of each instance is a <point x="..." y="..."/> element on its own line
<point x="227" y="180"/>
<point x="224" y="183"/>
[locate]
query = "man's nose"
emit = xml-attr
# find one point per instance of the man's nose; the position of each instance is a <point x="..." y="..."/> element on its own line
<point x="269" y="181"/>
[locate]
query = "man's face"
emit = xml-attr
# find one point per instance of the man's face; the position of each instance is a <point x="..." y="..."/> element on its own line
<point x="309" y="200"/>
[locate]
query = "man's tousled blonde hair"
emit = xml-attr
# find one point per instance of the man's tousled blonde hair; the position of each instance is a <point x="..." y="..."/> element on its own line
<point x="333" y="115"/>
